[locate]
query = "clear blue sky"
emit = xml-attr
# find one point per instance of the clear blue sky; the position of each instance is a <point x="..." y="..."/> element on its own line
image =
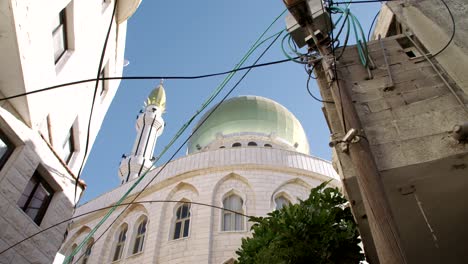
<point x="200" y="37"/>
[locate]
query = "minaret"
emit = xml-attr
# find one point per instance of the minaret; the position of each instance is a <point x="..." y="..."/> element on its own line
<point x="149" y="126"/>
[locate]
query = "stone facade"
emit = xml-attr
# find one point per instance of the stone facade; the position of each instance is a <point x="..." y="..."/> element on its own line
<point x="256" y="174"/>
<point x="43" y="135"/>
<point x="408" y="108"/>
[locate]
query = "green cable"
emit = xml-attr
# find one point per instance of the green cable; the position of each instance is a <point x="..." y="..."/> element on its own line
<point x="184" y="127"/>
<point x="286" y="53"/>
<point x="362" y="48"/>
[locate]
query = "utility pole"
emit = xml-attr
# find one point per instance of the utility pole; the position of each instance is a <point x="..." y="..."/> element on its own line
<point x="382" y="224"/>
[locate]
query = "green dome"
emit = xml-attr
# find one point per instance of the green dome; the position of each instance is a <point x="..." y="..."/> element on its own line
<point x="252" y="114"/>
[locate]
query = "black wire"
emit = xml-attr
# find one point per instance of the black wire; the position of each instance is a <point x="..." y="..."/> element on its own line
<point x="150" y="78"/>
<point x="108" y="207"/>
<point x="346" y="38"/>
<point x="312" y="95"/>
<point x="101" y="61"/>
<point x="372" y="24"/>
<point x="186" y="140"/>
<point x="453" y="29"/>
<point x="335" y="72"/>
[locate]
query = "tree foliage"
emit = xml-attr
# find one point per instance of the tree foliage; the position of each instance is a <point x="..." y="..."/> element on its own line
<point x="319" y="230"/>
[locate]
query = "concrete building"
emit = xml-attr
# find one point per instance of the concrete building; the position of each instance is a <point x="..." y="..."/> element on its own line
<point x="408" y="106"/>
<point x="43" y="135"/>
<point x="250" y="156"/>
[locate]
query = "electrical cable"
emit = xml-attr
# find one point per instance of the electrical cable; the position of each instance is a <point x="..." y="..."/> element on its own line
<point x="372" y="24"/>
<point x="101" y="62"/>
<point x="107" y="207"/>
<point x="453" y="29"/>
<point x="311" y="94"/>
<point x="335" y="72"/>
<point x="181" y="146"/>
<point x="178" y="134"/>
<point x="149" y="78"/>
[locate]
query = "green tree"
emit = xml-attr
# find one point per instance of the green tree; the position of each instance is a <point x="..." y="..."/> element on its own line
<point x="319" y="230"/>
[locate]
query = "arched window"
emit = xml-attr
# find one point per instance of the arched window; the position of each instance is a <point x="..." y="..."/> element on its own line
<point x="252" y="144"/>
<point x="120" y="243"/>
<point x="281" y="201"/>
<point x="267" y="145"/>
<point x="222" y="147"/>
<point x="140" y="236"/>
<point x="87" y="252"/>
<point x="231" y="220"/>
<point x="237" y="144"/>
<point x="182" y="221"/>
<point x="71" y="251"/>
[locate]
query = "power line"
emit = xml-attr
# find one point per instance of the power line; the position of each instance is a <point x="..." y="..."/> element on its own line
<point x="310" y="92"/>
<point x="335" y="73"/>
<point x="101" y="61"/>
<point x="149" y="78"/>
<point x="186" y="140"/>
<point x="453" y="29"/>
<point x="178" y="134"/>
<point x="107" y="207"/>
<point x="372" y="24"/>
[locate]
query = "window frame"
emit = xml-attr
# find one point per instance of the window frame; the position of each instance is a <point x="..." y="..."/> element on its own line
<point x="184" y="221"/>
<point x="70" y="139"/>
<point x="121" y="239"/>
<point x="103" y="84"/>
<point x="62" y="26"/>
<point x="281" y="196"/>
<point x="10" y="148"/>
<point x="234" y="216"/>
<point x="32" y="193"/>
<point x="140" y="237"/>
<point x="88" y="251"/>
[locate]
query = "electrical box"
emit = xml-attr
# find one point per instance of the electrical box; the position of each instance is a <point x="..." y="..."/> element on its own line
<point x="320" y="19"/>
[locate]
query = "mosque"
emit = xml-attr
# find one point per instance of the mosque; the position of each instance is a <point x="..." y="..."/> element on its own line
<point x="249" y="155"/>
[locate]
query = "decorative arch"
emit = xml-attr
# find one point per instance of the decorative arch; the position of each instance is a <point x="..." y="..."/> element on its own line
<point x="139" y="235"/>
<point x="73" y="239"/>
<point x="180" y="216"/>
<point x="230" y="176"/>
<point x="286" y="189"/>
<point x="229" y="184"/>
<point x="284" y="194"/>
<point x="119" y="242"/>
<point x="233" y="219"/>
<point x="129" y="217"/>
<point x="181" y="192"/>
<point x="183" y="186"/>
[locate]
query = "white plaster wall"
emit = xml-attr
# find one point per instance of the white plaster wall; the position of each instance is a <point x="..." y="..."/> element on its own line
<point x="87" y="28"/>
<point x="206" y="184"/>
<point x="26" y="50"/>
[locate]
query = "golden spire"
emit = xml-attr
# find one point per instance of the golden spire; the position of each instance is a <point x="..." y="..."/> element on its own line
<point x="158" y="97"/>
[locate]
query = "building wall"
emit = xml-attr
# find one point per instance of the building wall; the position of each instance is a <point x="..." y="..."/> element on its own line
<point x="408" y="126"/>
<point x="38" y="124"/>
<point x="255" y="177"/>
<point x="430" y="22"/>
<point x="31" y="153"/>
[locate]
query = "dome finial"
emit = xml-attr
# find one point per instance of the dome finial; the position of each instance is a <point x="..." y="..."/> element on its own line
<point x="157" y="97"/>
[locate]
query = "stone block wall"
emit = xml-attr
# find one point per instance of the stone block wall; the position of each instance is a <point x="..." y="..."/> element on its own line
<point x="31" y="153"/>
